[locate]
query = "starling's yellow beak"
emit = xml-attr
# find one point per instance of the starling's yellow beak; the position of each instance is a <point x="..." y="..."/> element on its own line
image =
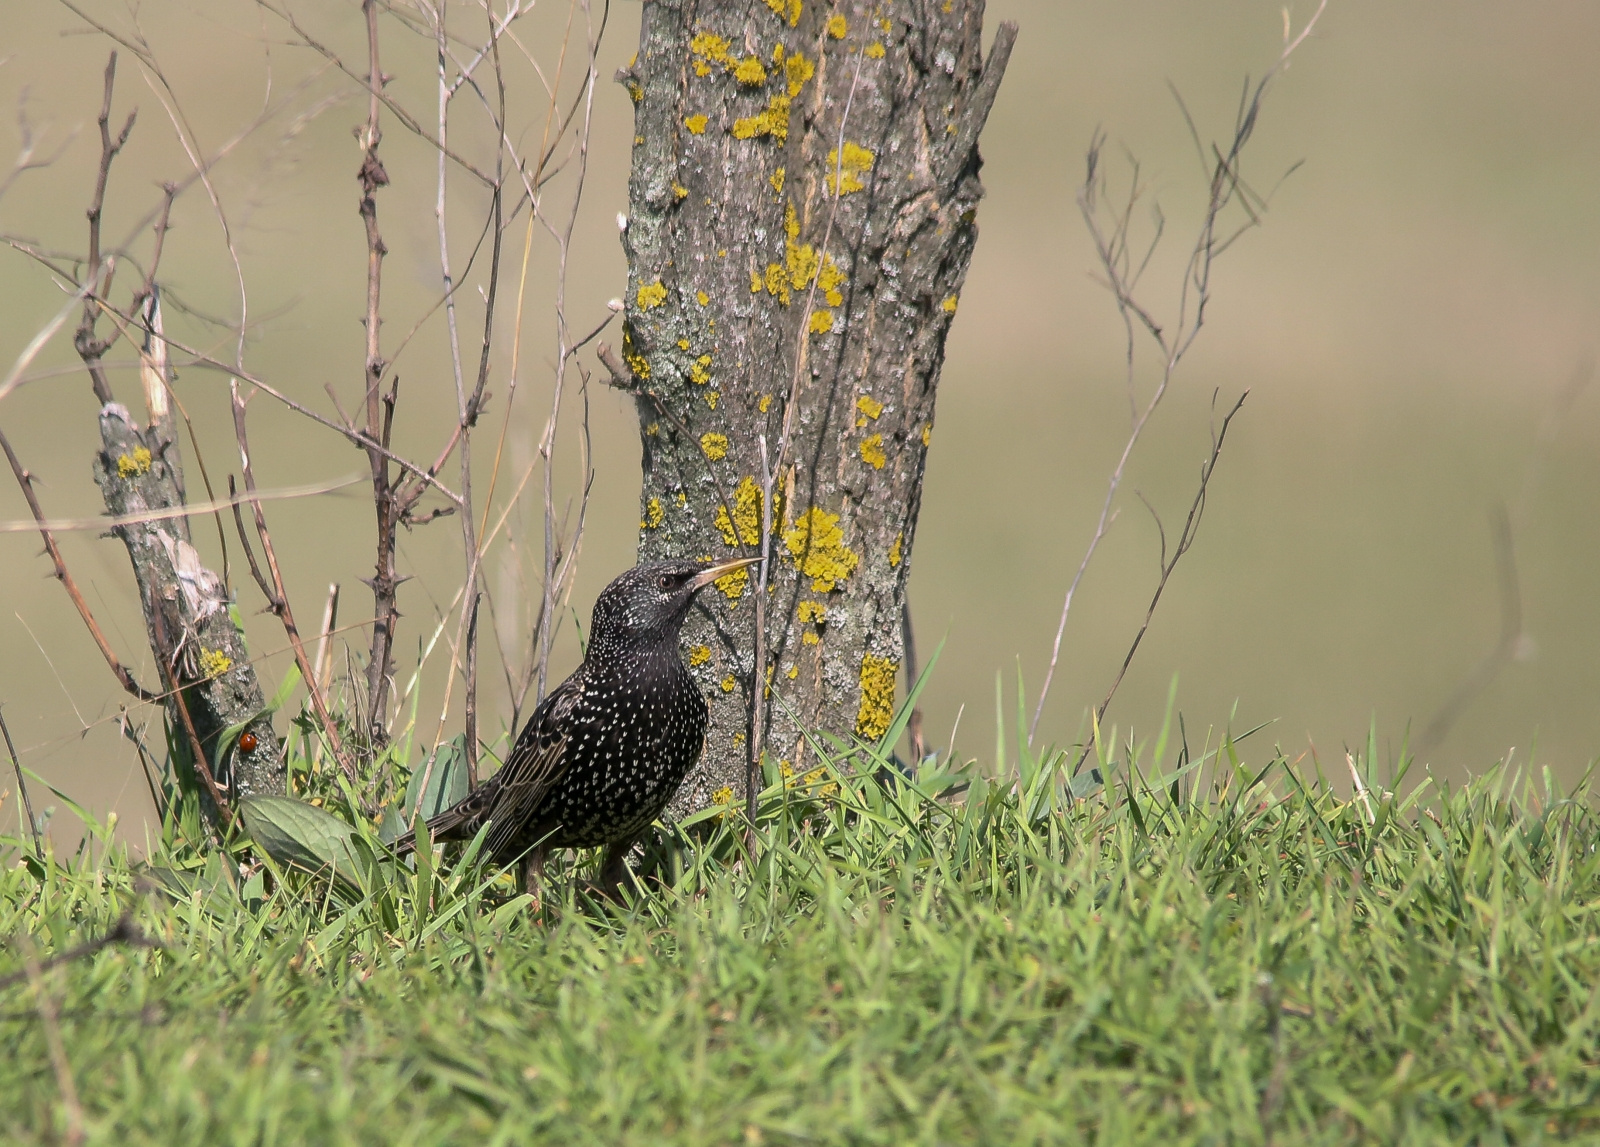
<point x="706" y="577"/>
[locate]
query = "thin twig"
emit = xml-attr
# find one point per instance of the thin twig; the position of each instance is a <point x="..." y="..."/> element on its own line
<point x="1503" y="523"/>
<point x="380" y="414"/>
<point x="89" y="348"/>
<point x="913" y="726"/>
<point x="1361" y="789"/>
<point x="45" y="1004"/>
<point x="758" y="705"/>
<point x="165" y="513"/>
<point x="22" y="787"/>
<point x="25" y="480"/>
<point x="275" y="593"/>
<point x="547" y="441"/>
<point x="166" y="659"/>
<point x="146" y="764"/>
<point x="330" y="618"/>
<point x="1505" y="646"/>
<point x="471" y="706"/>
<point x="124" y="931"/>
<point x="355" y="435"/>
<point x="405" y="118"/>
<point x="1169" y="562"/>
<point x="1121" y="277"/>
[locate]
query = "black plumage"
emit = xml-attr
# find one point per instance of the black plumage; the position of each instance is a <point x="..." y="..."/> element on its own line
<point x="606" y="750"/>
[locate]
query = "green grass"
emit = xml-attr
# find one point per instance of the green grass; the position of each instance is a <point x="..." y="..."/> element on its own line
<point x="1247" y="959"/>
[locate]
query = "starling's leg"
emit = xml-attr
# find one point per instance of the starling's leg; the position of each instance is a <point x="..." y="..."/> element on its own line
<point x="531" y="870"/>
<point x="614" y="869"/>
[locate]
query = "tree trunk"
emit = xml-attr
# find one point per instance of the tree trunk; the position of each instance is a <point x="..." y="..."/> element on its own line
<point x="186" y="610"/>
<point x="749" y="227"/>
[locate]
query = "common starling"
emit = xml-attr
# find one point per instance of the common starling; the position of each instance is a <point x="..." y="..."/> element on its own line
<point x="606" y="750"/>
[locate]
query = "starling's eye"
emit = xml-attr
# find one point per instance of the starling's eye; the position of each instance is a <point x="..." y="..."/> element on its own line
<point x="665" y="581"/>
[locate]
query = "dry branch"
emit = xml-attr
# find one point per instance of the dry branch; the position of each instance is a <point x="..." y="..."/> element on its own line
<point x="1111" y="230"/>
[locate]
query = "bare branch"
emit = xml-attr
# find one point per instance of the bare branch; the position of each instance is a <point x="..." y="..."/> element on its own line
<point x="380" y="413"/>
<point x="91" y="349"/>
<point x="277" y="596"/>
<point x="25" y="480"/>
<point x="1225" y="187"/>
<point x="22" y="787"/>
<point x="1191" y="529"/>
<point x="375" y="91"/>
<point x="45" y="1005"/>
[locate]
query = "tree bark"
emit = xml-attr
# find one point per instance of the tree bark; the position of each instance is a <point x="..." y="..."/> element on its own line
<point x="186" y="610"/>
<point x="754" y="238"/>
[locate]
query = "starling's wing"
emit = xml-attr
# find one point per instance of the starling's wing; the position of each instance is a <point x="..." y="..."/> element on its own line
<point x="536" y="764"/>
<point x="512" y="796"/>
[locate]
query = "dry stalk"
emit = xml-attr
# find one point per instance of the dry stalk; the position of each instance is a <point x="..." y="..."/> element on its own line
<point x="1122" y="274"/>
<point x="379" y="408"/>
<point x="166" y="657"/>
<point x="90" y="348"/>
<point x="25" y="480"/>
<point x="49" y="1020"/>
<point x="769" y="475"/>
<point x="22" y="788"/>
<point x="276" y="594"/>
<point x="1169" y="562"/>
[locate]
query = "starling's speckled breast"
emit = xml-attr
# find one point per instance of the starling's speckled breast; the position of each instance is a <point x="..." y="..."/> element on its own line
<point x="632" y="735"/>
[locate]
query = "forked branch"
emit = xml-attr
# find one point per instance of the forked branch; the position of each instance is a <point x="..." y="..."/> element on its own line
<point x="1122" y="271"/>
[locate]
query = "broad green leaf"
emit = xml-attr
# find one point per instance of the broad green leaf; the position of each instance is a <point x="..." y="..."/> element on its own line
<point x="446" y="781"/>
<point x="295" y="833"/>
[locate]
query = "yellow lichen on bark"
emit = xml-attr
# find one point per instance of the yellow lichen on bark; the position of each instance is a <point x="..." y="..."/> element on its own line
<point x="733" y="584"/>
<point x="789" y="8"/>
<point x="636" y="361"/>
<point x="138" y="463"/>
<point x="877" y="695"/>
<point x="798" y="70"/>
<point x="710" y="46"/>
<point x="745" y="525"/>
<point x="849" y="169"/>
<point x="751" y="72"/>
<point x="817" y="545"/>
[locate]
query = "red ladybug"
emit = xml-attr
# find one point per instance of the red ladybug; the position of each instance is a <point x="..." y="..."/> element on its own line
<point x="247" y="742"/>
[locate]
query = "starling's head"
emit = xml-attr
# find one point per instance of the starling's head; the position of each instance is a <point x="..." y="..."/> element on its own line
<point x="654" y="599"/>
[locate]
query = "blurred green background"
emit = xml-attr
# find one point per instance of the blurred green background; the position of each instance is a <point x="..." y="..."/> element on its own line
<point x="1420" y="299"/>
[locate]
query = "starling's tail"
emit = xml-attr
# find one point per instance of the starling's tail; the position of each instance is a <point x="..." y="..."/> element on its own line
<point x="458" y="822"/>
